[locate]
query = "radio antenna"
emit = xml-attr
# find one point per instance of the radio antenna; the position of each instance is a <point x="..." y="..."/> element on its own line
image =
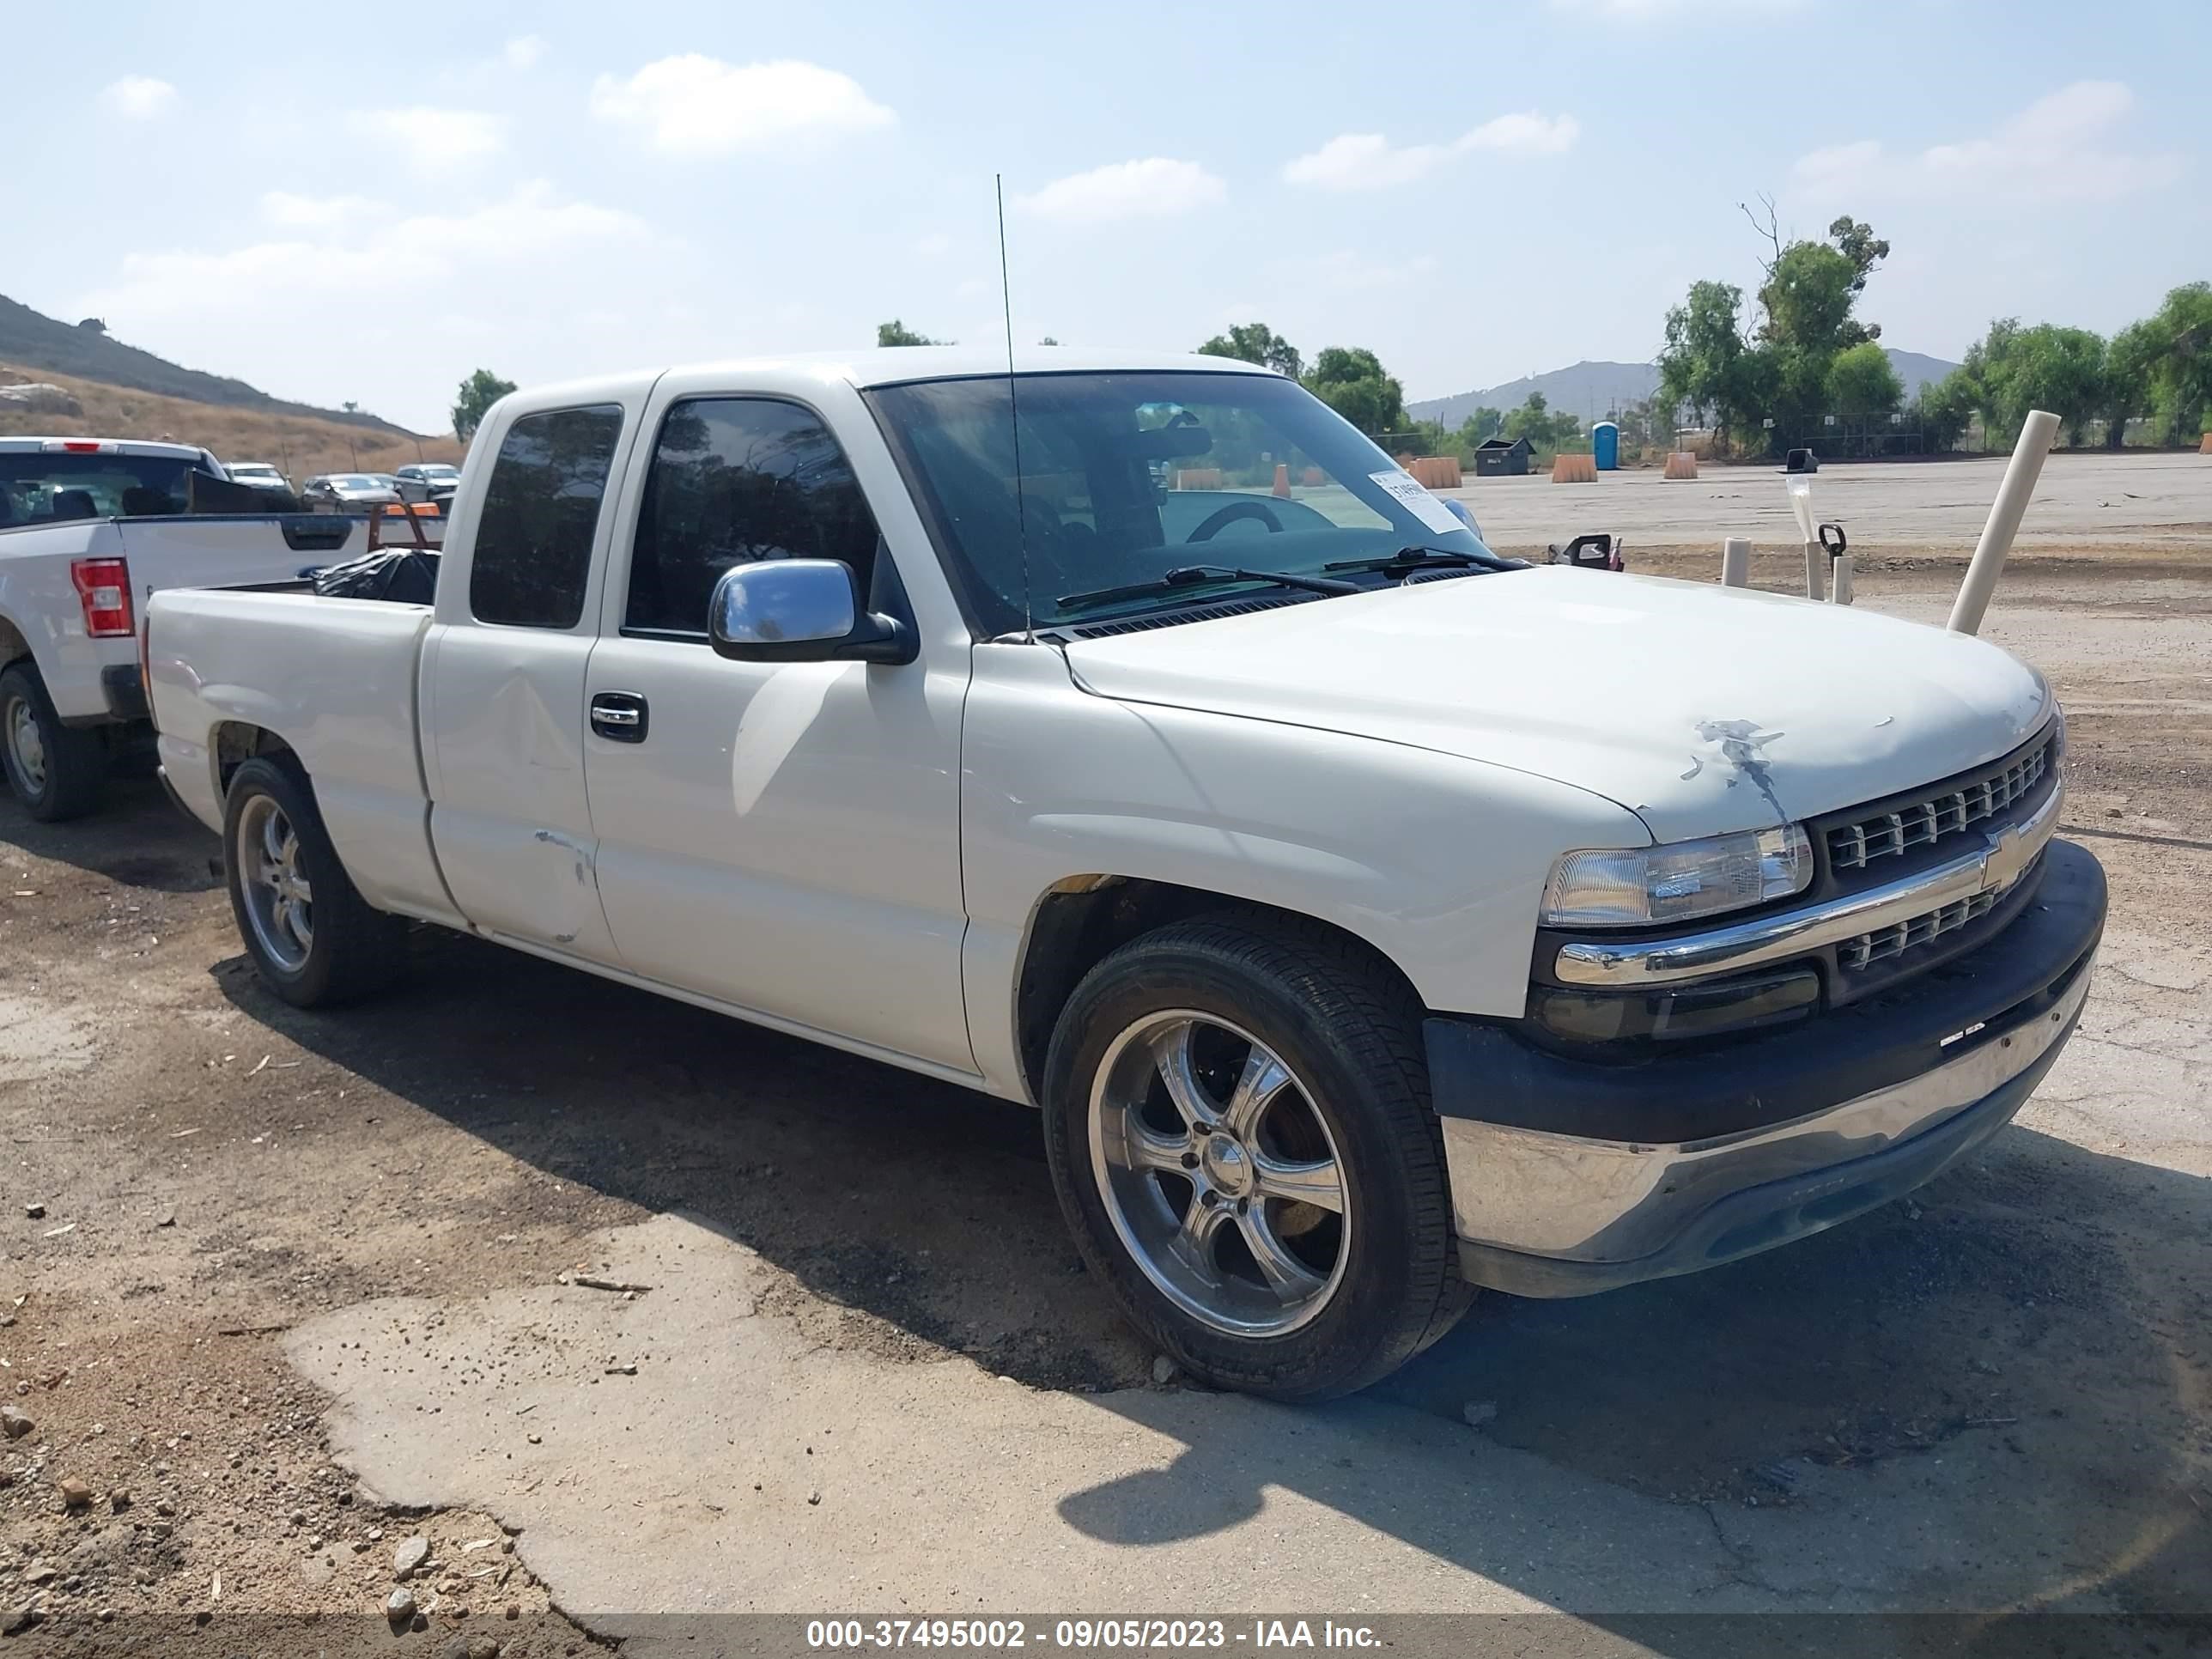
<point x="1014" y="413"/>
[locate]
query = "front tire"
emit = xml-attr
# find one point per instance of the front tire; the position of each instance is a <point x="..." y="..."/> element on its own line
<point x="57" y="772"/>
<point x="314" y="940"/>
<point x="1237" y="1122"/>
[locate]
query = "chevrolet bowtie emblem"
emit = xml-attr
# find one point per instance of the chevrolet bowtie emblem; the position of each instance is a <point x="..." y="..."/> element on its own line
<point x="2008" y="855"/>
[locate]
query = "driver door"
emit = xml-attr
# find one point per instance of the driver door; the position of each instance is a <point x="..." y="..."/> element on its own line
<point x="779" y="837"/>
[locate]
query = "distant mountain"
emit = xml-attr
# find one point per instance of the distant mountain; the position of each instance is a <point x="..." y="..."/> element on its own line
<point x="31" y="340"/>
<point x="1591" y="390"/>
<point x="1916" y="369"/>
<point x="1587" y="389"/>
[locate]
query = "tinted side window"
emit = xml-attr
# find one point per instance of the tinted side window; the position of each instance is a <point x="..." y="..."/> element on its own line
<point x="533" y="549"/>
<point x="735" y="479"/>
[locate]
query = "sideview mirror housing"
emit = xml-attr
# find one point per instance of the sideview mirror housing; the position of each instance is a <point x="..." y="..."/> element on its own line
<point x="802" y="610"/>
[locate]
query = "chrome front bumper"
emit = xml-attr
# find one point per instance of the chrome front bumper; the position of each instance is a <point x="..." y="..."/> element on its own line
<point x="1992" y="868"/>
<point x="1546" y="1214"/>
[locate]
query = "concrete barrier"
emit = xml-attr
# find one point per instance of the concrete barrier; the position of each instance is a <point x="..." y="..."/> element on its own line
<point x="1574" y="469"/>
<point x="1681" y="463"/>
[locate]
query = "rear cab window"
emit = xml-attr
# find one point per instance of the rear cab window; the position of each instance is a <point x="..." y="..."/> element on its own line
<point x="41" y="486"/>
<point x="532" y="558"/>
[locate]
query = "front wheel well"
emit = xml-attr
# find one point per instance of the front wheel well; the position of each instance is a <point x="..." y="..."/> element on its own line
<point x="1083" y="919"/>
<point x="236" y="742"/>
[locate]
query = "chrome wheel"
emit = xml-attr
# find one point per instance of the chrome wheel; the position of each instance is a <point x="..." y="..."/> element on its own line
<point x="25" y="747"/>
<point x="1220" y="1178"/>
<point x="279" y="904"/>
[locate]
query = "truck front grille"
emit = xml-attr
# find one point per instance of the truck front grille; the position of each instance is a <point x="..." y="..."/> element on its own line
<point x="1854" y="845"/>
<point x="1900" y="936"/>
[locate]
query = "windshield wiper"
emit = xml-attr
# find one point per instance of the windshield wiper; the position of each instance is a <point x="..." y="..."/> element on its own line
<point x="1194" y="575"/>
<point x="1406" y="560"/>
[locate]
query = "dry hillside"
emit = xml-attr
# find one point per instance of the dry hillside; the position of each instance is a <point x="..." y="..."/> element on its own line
<point x="298" y="445"/>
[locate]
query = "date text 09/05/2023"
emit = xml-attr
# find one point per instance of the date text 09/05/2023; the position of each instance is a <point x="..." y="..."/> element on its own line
<point x="1123" y="1634"/>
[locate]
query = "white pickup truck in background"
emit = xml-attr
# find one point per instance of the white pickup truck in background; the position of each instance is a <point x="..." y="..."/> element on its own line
<point x="1371" y="917"/>
<point x="89" y="526"/>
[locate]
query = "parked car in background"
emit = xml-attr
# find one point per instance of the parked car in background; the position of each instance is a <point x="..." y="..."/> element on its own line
<point x="88" y="528"/>
<point x="348" y="492"/>
<point x="1372" y="917"/>
<point x="431" y="481"/>
<point x="258" y="474"/>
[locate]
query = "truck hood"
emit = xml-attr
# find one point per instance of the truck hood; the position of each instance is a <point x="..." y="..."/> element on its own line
<point x="1701" y="708"/>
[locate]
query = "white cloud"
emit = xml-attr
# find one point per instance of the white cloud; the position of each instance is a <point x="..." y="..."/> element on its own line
<point x="2058" y="148"/>
<point x="1125" y="190"/>
<point x="524" y="50"/>
<point x="1368" y="160"/>
<point x="693" y="104"/>
<point x="432" y="140"/>
<point x="935" y="246"/>
<point x="139" y="98"/>
<point x="280" y="207"/>
<point x="333" y="252"/>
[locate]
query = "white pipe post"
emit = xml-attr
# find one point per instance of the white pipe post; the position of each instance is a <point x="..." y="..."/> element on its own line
<point x="2037" y="433"/>
<point x="1800" y="503"/>
<point x="1735" y="562"/>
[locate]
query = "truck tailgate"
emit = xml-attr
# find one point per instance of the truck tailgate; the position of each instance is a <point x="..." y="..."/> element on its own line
<point x="218" y="551"/>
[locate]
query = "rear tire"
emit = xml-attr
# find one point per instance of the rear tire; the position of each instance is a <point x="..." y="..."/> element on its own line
<point x="56" y="771"/>
<point x="1297" y="1248"/>
<point x="314" y="940"/>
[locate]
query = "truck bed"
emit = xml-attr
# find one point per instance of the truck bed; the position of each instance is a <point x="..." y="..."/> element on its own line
<point x="340" y="678"/>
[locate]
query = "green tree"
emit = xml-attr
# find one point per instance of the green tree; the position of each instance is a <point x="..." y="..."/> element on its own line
<point x="1778" y="374"/>
<point x="2130" y="360"/>
<point x="1705" y="364"/>
<point x="1862" y="384"/>
<point x="1255" y="343"/>
<point x="1944" y="408"/>
<point x="1540" y="424"/>
<point x="1855" y="240"/>
<point x="2013" y="369"/>
<point x="2177" y="342"/>
<point x="477" y="394"/>
<point x="1350" y="380"/>
<point x="1481" y="425"/>
<point x="896" y="333"/>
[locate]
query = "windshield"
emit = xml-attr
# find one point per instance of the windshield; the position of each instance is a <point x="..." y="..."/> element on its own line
<point x="356" y="481"/>
<point x="1125" y="476"/>
<point x="40" y="488"/>
<point x="441" y="473"/>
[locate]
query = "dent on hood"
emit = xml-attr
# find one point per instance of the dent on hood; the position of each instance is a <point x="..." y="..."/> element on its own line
<point x="1741" y="747"/>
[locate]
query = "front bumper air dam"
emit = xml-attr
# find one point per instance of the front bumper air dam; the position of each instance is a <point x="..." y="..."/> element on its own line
<point x="1544" y="1213"/>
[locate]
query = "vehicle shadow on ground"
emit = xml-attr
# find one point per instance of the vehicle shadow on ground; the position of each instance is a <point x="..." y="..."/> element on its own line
<point x="135" y="838"/>
<point x="2020" y="1339"/>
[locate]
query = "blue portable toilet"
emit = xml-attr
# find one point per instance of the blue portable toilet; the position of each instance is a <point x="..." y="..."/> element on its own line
<point x="1605" y="445"/>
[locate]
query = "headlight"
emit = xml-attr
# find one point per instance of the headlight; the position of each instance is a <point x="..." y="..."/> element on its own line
<point x="1624" y="887"/>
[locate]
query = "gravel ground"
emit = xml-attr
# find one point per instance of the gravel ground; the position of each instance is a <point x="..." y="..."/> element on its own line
<point x="268" y="1275"/>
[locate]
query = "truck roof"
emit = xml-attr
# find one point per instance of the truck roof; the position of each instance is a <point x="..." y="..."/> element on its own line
<point x="893" y="365"/>
<point x="104" y="446"/>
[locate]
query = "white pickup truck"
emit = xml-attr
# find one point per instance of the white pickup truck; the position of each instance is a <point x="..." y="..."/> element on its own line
<point x="1373" y="918"/>
<point x="87" y="526"/>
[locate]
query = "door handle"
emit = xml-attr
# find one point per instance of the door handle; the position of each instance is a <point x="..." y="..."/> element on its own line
<point x="619" y="716"/>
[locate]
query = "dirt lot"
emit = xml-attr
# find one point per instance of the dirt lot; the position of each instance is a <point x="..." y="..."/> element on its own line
<point x="283" y="1291"/>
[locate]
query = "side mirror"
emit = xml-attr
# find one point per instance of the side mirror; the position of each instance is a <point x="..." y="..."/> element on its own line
<point x="801" y="611"/>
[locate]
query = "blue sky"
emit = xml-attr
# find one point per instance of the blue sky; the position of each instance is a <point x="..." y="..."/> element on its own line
<point x="367" y="202"/>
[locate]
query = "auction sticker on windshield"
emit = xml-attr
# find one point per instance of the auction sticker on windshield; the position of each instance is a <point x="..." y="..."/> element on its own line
<point x="1428" y="508"/>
